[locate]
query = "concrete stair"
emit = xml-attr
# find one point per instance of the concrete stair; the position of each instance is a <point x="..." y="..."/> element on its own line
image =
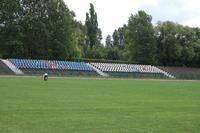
<point x="12" y="67"/>
<point x="98" y="71"/>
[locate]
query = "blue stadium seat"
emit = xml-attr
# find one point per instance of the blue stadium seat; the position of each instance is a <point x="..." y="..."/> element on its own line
<point x="48" y="64"/>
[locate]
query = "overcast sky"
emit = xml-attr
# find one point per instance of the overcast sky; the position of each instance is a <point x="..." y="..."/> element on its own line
<point x="112" y="14"/>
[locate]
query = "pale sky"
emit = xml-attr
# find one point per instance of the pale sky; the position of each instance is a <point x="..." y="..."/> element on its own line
<point x="112" y="14"/>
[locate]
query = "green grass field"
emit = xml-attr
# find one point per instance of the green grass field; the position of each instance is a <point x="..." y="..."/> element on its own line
<point x="70" y="105"/>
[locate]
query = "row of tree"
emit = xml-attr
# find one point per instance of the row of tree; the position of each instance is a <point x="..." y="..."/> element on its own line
<point x="166" y="43"/>
<point x="37" y="29"/>
<point x="46" y="29"/>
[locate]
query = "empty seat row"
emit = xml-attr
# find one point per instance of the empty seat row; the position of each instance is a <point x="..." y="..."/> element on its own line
<point x="81" y="66"/>
<point x="47" y="64"/>
<point x="111" y="67"/>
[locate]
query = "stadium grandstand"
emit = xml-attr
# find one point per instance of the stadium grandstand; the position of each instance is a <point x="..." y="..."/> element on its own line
<point x="54" y="67"/>
<point x="96" y="69"/>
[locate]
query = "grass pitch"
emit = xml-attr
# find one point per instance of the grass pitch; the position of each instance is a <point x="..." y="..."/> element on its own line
<point x="68" y="105"/>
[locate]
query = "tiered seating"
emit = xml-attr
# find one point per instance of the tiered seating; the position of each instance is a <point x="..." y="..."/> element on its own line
<point x="108" y="67"/>
<point x="148" y="69"/>
<point x="47" y="64"/>
<point x="111" y="67"/>
<point x="34" y="66"/>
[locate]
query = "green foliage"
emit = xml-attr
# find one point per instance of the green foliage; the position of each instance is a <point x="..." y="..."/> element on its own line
<point x="95" y="52"/>
<point x="169" y="49"/>
<point x="141" y="38"/>
<point x="112" y="53"/>
<point x="196" y="61"/>
<point x="119" y="36"/>
<point x="47" y="29"/>
<point x="10" y="28"/>
<point x="115" y="38"/>
<point x="109" y="41"/>
<point x="37" y="29"/>
<point x="93" y="32"/>
<point x="175" y="44"/>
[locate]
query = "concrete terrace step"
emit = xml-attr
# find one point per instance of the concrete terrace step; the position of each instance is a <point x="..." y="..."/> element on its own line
<point x="12" y="67"/>
<point x="98" y="71"/>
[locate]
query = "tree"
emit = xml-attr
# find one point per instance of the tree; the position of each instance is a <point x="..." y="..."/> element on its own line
<point x="141" y="38"/>
<point x="99" y="36"/>
<point x="175" y="44"/>
<point x="169" y="49"/>
<point x="186" y="36"/>
<point x="122" y="31"/>
<point x="96" y="52"/>
<point x="115" y="38"/>
<point x="62" y="29"/>
<point x="109" y="41"/>
<point x="112" y="53"/>
<point x="93" y="32"/>
<point x="196" y="61"/>
<point x="10" y="29"/>
<point x="37" y="29"/>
